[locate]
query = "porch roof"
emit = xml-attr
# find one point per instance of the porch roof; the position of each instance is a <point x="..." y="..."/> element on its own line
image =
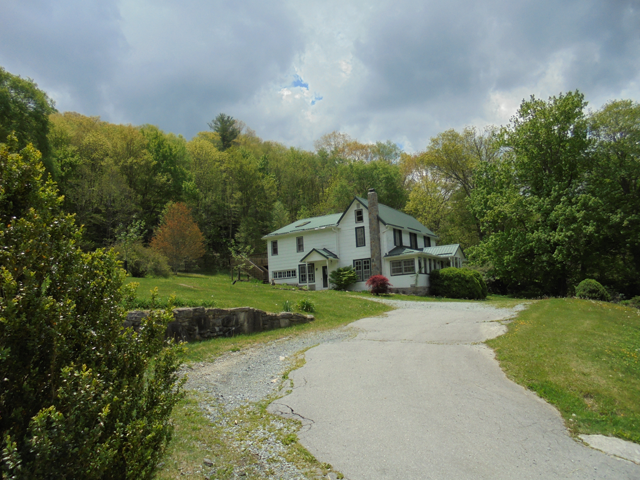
<point x="437" y="251"/>
<point x="318" y="255"/>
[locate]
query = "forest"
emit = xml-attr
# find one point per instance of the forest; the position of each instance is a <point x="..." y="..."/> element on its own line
<point x="538" y="205"/>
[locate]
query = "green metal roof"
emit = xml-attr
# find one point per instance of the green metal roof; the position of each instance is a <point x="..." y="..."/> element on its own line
<point x="388" y="216"/>
<point x="314" y="223"/>
<point x="401" y="251"/>
<point x="443" y="250"/>
<point x="396" y="218"/>
<point x="439" y="251"/>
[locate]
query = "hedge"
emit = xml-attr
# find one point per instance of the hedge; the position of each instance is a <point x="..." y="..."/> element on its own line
<point x="458" y="283"/>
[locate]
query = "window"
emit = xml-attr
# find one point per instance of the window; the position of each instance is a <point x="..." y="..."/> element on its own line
<point x="403" y="267"/>
<point x="413" y="240"/>
<point x="362" y="268"/>
<point x="420" y="266"/>
<point x="427" y="241"/>
<point x="360" y="240"/>
<point x="359" y="216"/>
<point x="306" y="270"/>
<point x="300" y="244"/>
<point x="274" y="247"/>
<point x="283" y="274"/>
<point x="397" y="237"/>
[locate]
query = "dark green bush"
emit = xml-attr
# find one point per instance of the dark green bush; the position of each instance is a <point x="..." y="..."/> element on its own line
<point x="81" y="396"/>
<point x="343" y="278"/>
<point x="590" y="289"/>
<point x="483" y="284"/>
<point x="635" y="302"/>
<point x="458" y="283"/>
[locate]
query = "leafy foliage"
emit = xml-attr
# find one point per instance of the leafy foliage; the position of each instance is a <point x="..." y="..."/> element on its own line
<point x="306" y="305"/>
<point x="81" y="396"/>
<point x="342" y="278"/>
<point x="541" y="223"/>
<point x="590" y="289"/>
<point x="378" y="284"/>
<point x="458" y="283"/>
<point x="24" y="109"/>
<point x="145" y="261"/>
<point x="178" y="238"/>
<point x="226" y="127"/>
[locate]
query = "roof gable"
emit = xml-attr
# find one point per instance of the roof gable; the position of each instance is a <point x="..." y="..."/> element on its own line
<point x="392" y="217"/>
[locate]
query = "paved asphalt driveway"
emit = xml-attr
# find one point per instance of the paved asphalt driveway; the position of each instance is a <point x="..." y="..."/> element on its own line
<point x="416" y="396"/>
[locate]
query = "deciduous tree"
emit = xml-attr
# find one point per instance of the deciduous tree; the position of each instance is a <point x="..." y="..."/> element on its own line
<point x="178" y="237"/>
<point x="25" y="109"/>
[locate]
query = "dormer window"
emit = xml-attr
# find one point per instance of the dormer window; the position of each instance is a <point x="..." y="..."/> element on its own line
<point x="359" y="216"/>
<point x="413" y="240"/>
<point x="427" y="241"/>
<point x="397" y="237"/>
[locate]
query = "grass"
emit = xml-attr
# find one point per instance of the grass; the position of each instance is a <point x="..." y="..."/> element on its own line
<point x="583" y="357"/>
<point x="331" y="308"/>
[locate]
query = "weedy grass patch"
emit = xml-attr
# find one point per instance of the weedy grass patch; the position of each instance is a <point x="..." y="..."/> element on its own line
<point x="211" y="442"/>
<point x="582" y="356"/>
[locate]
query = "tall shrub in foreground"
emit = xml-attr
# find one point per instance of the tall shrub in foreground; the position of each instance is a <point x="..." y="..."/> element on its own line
<point x="178" y="238"/>
<point x="458" y="283"/>
<point x="80" y="396"/>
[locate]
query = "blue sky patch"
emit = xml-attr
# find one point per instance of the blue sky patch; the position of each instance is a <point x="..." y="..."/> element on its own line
<point x="298" y="82"/>
<point x="316" y="99"/>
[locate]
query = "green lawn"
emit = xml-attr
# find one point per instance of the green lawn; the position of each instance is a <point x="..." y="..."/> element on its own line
<point x="583" y="357"/>
<point x="332" y="308"/>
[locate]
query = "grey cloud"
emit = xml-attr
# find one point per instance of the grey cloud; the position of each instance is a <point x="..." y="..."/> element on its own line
<point x="174" y="64"/>
<point x="73" y="46"/>
<point x="455" y="55"/>
<point x="224" y="55"/>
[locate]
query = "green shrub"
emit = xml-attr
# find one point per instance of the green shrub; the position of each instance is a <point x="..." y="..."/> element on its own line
<point x="483" y="284"/>
<point x="145" y="261"/>
<point x="343" y="278"/>
<point x="306" y="305"/>
<point x="81" y="396"/>
<point x="635" y="302"/>
<point x="458" y="283"/>
<point x="590" y="289"/>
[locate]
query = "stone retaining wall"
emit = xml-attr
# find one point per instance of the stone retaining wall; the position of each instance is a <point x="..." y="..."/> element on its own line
<point x="192" y="324"/>
<point x="420" y="291"/>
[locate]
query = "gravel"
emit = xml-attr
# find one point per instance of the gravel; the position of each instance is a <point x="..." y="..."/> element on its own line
<point x="240" y="379"/>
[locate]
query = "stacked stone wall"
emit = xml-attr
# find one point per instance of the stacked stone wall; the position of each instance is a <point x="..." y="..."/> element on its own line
<point x="193" y="324"/>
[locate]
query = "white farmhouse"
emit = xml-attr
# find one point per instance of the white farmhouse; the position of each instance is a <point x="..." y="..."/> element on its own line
<point x="372" y="238"/>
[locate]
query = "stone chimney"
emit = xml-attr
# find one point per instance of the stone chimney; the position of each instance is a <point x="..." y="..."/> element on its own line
<point x="374" y="234"/>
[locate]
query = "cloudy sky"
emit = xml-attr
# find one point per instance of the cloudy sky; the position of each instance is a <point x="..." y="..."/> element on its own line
<point x="295" y="70"/>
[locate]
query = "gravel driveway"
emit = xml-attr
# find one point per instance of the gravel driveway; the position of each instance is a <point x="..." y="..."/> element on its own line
<point x="412" y="394"/>
<point x="417" y="395"/>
